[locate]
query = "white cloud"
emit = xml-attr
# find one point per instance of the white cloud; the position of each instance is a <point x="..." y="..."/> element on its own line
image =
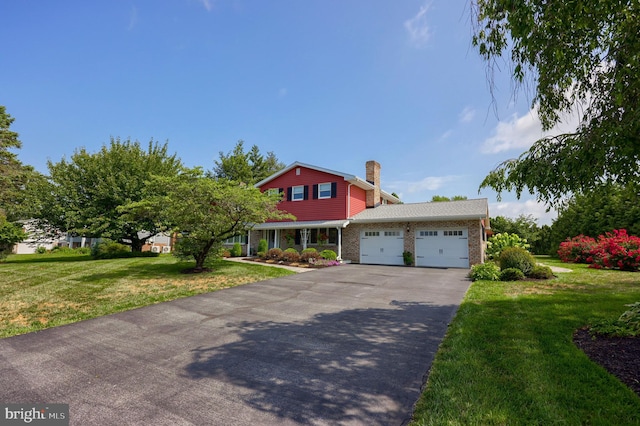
<point x="521" y="132"/>
<point x="513" y="209"/>
<point x="417" y="27"/>
<point x="430" y="183"/>
<point x="133" y="18"/>
<point x="467" y="115"/>
<point x="208" y="4"/>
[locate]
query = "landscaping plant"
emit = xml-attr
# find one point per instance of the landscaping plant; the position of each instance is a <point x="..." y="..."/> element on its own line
<point x="518" y="258"/>
<point x="487" y="271"/>
<point x="499" y="242"/>
<point x="613" y="250"/>
<point x="328" y="254"/>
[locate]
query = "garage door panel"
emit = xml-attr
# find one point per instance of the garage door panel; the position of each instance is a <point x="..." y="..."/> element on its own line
<point x="381" y="247"/>
<point x="447" y="248"/>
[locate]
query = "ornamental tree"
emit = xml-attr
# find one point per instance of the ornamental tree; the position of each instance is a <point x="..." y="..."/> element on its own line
<point x="577" y="56"/>
<point x="204" y="212"/>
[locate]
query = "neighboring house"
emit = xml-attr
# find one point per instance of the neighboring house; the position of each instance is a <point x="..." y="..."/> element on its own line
<point x="36" y="237"/>
<point x="364" y="224"/>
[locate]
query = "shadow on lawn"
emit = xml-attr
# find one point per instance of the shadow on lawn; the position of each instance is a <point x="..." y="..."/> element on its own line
<point x="361" y="365"/>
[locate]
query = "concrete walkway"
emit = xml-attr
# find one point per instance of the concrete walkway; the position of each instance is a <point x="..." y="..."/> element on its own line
<point x="347" y="345"/>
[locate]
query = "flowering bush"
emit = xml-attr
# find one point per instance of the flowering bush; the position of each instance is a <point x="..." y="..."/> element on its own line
<point x="616" y="250"/>
<point x="504" y="240"/>
<point x="576" y="249"/>
<point x="613" y="250"/>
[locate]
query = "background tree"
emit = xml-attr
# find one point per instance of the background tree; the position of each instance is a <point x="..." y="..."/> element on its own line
<point x="85" y="194"/>
<point x="593" y="214"/>
<point x="525" y="226"/>
<point x="248" y="167"/>
<point x="14" y="176"/>
<point x="438" y="198"/>
<point x="205" y="212"/>
<point x="581" y="57"/>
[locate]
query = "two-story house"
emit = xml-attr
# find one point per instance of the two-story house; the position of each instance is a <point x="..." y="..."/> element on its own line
<point x="364" y="224"/>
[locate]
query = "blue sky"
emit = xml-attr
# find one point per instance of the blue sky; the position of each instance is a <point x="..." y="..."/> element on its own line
<point x="325" y="82"/>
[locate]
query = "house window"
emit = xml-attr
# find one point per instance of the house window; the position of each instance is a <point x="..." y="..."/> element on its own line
<point x="452" y="233"/>
<point x="371" y="233"/>
<point x="428" y="233"/>
<point x="320" y="236"/>
<point x="297" y="193"/>
<point x="324" y="190"/>
<point x="242" y="239"/>
<point x="391" y="233"/>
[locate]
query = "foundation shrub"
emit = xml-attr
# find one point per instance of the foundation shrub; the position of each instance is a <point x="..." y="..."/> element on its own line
<point x="328" y="254"/>
<point x="518" y="258"/>
<point x="291" y="255"/>
<point x="511" y="274"/>
<point x="488" y="271"/>
<point x="275" y="254"/>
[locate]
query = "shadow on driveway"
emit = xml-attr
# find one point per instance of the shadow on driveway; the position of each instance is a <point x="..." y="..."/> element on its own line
<point x="361" y="365"/>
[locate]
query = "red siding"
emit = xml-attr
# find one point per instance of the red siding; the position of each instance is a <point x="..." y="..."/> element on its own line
<point x="321" y="209"/>
<point x="358" y="200"/>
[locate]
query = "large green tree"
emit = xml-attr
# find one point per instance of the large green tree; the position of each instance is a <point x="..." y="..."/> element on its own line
<point x="593" y="214"/>
<point x="204" y="212"/>
<point x="87" y="192"/>
<point x="577" y="56"/>
<point x="14" y="176"/>
<point x="248" y="167"/>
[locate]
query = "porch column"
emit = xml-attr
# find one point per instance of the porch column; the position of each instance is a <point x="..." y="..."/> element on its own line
<point x="339" y="243"/>
<point x="304" y="235"/>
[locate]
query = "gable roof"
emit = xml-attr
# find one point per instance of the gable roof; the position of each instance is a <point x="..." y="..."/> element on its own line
<point x="443" y="210"/>
<point x="352" y="179"/>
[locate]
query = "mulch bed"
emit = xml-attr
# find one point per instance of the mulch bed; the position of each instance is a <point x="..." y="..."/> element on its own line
<point x="620" y="356"/>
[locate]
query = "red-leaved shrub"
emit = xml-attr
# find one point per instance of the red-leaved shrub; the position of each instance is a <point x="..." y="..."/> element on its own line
<point x="614" y="250"/>
<point x="576" y="249"/>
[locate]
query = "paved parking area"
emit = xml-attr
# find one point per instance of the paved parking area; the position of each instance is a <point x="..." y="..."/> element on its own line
<point x="347" y="345"/>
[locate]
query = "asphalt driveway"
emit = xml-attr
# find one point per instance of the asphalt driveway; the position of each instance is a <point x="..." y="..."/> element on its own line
<point x="343" y="345"/>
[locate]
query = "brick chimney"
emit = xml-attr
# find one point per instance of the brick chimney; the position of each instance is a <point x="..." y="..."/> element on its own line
<point x="373" y="177"/>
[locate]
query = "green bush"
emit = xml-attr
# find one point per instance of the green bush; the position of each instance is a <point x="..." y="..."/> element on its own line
<point x="262" y="254"/>
<point x="291" y="255"/>
<point x="499" y="242"/>
<point x="82" y="250"/>
<point x="328" y="254"/>
<point x="517" y="257"/>
<point x="41" y="250"/>
<point x="541" y="273"/>
<point x="107" y="249"/>
<point x="309" y="250"/>
<point x="275" y="254"/>
<point x="488" y="271"/>
<point x="511" y="274"/>
<point x="236" y="251"/>
<point x="627" y="325"/>
<point x="62" y="250"/>
<point x="263" y="246"/>
<point x="407" y="258"/>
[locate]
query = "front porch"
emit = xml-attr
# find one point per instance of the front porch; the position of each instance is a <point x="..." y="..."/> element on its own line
<point x="321" y="235"/>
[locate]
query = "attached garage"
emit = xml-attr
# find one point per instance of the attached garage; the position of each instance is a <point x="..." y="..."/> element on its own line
<point x="443" y="248"/>
<point x="381" y="246"/>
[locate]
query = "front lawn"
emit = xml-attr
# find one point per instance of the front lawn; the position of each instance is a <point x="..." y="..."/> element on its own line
<point x="509" y="359"/>
<point x="42" y="291"/>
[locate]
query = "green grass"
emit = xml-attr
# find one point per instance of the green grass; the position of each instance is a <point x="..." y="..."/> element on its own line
<point x="508" y="357"/>
<point x="42" y="291"/>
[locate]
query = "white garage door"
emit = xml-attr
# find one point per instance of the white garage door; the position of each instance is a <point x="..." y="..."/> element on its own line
<point x="444" y="248"/>
<point x="381" y="246"/>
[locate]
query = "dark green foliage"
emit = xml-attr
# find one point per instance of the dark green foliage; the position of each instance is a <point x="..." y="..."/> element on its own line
<point x="579" y="57"/>
<point x="291" y="255"/>
<point x="10" y="234"/>
<point x="236" y="251"/>
<point x="248" y="167"/>
<point x="41" y="250"/>
<point x="328" y="254"/>
<point x="541" y="272"/>
<point x="627" y="325"/>
<point x="407" y="258"/>
<point x="263" y="246"/>
<point x="511" y="274"/>
<point x="109" y="250"/>
<point x="518" y="258"/>
<point x="275" y="253"/>
<point x="487" y="271"/>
